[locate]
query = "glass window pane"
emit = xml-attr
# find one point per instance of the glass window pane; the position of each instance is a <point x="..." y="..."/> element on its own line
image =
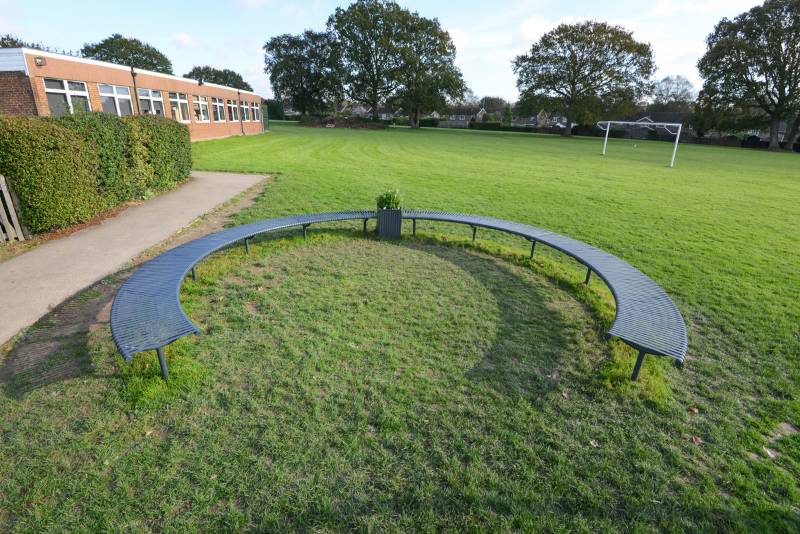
<point x="176" y="112"/>
<point x="108" y="104"/>
<point x="185" y="111"/>
<point x="122" y="90"/>
<point x="53" y="84"/>
<point x="143" y="92"/>
<point x="144" y="106"/>
<point x="125" y="106"/>
<point x="156" y="94"/>
<point x="106" y="89"/>
<point x="158" y="107"/>
<point x="77" y="86"/>
<point x="79" y="103"/>
<point x="58" y="104"/>
<point x="173" y="96"/>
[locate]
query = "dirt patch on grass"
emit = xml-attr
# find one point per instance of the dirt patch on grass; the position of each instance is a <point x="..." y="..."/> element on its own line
<point x="55" y="348"/>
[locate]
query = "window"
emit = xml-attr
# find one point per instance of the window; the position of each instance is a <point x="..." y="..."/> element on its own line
<point x="256" y="113"/>
<point x="115" y="99"/>
<point x="179" y="105"/>
<point x="151" y="102"/>
<point x="200" y="108"/>
<point x="66" y="96"/>
<point x="218" y="105"/>
<point x="245" y="110"/>
<point x="233" y="114"/>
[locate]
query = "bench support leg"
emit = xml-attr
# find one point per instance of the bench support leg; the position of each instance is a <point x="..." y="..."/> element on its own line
<point x="474" y="231"/>
<point x="305" y="231"/>
<point x="163" y="363"/>
<point x="365" y="226"/>
<point x="588" y="275"/>
<point x="638" y="366"/>
<point x="414" y="227"/>
<point x="247" y="245"/>
<point x="194" y="273"/>
<point x="533" y="248"/>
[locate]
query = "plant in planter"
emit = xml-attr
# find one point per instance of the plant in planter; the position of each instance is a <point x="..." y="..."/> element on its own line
<point x="389" y="216"/>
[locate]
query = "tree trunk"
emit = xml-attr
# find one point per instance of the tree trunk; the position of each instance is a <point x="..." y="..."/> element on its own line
<point x="774" y="124"/>
<point x="793" y="133"/>
<point x="415" y="119"/>
<point x="374" y="105"/>
<point x="568" y="127"/>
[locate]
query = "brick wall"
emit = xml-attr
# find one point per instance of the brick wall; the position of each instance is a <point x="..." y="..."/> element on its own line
<point x="16" y="95"/>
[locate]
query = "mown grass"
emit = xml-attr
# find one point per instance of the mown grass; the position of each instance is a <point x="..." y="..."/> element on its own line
<point x="346" y="383"/>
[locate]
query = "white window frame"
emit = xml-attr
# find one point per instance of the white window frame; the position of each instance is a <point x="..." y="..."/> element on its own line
<point x="255" y="114"/>
<point x="65" y="90"/>
<point x="116" y="94"/>
<point x="244" y="109"/>
<point x="233" y="111"/>
<point x="218" y="107"/>
<point x="201" y="103"/>
<point x="150" y="98"/>
<point x="180" y="98"/>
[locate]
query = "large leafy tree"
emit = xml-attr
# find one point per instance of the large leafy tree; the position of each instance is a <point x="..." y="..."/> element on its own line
<point x="222" y="77"/>
<point x="303" y="69"/>
<point x="370" y="33"/>
<point x="427" y="76"/>
<point x="753" y="61"/>
<point x="12" y="41"/>
<point x="581" y="66"/>
<point x="128" y="51"/>
<point x="672" y="93"/>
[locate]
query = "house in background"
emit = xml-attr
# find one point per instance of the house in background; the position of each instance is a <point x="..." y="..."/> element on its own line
<point x="34" y="82"/>
<point x="461" y="116"/>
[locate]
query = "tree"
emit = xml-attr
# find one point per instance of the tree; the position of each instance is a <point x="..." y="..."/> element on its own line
<point x="493" y="104"/>
<point x="427" y="76"/>
<point x="12" y="41"/>
<point x="369" y="33"/>
<point x="672" y="93"/>
<point x="275" y="109"/>
<point x="128" y="51"/>
<point x="225" y="77"/>
<point x="581" y="65"/>
<point x="303" y="69"/>
<point x="508" y="116"/>
<point x="753" y="61"/>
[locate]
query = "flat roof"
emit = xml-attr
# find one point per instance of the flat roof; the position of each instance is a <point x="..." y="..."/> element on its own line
<point x="66" y="57"/>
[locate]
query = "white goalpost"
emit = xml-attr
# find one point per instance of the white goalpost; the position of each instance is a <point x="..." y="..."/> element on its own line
<point x="673" y="128"/>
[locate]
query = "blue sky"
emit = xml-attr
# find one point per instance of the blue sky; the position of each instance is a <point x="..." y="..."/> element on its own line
<point x="229" y="34"/>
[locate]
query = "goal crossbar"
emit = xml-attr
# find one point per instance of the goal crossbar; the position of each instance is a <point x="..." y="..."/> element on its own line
<point x="673" y="128"/>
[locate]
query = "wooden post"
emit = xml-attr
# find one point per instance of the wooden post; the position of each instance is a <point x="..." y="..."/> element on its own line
<point x="10" y="222"/>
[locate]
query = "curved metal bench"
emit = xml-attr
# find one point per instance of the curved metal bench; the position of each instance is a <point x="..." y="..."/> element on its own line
<point x="147" y="315"/>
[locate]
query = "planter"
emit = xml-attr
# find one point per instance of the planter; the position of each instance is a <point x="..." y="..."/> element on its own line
<point x="390" y="222"/>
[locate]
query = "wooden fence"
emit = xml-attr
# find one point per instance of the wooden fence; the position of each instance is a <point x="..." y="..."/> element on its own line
<point x="10" y="227"/>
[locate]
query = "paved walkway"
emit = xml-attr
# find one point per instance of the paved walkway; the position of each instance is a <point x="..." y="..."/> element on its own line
<point x="34" y="282"/>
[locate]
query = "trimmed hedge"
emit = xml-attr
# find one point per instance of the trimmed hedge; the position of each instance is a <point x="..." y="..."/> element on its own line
<point x="69" y="169"/>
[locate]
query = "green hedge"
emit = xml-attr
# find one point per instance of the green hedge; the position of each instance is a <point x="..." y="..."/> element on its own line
<point x="69" y="169"/>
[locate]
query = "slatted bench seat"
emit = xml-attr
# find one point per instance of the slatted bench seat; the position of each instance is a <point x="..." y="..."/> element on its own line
<point x="147" y="315"/>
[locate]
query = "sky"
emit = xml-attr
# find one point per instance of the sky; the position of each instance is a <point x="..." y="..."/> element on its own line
<point x="487" y="35"/>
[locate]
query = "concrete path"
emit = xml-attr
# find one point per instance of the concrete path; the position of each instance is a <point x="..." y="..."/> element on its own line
<point x="34" y="282"/>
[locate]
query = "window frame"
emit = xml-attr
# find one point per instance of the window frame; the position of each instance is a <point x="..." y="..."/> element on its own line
<point x="200" y="102"/>
<point x="150" y="98"/>
<point x="255" y="113"/>
<point x="178" y="100"/>
<point x="66" y="91"/>
<point x="114" y="95"/>
<point x="233" y="110"/>
<point x="218" y="109"/>
<point x="244" y="109"/>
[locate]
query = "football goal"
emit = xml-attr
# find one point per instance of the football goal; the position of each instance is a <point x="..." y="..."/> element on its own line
<point x="673" y="128"/>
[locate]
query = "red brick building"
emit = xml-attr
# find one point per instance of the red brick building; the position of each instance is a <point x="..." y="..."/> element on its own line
<point x="33" y="82"/>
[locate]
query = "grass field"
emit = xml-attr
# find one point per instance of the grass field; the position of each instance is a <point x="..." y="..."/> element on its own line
<point x="348" y="383"/>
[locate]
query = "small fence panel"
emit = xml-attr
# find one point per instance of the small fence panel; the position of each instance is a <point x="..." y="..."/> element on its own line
<point x="10" y="227"/>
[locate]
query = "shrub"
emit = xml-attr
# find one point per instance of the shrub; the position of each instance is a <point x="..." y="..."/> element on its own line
<point x="428" y="122"/>
<point x="390" y="200"/>
<point x="167" y="149"/>
<point x="52" y="170"/>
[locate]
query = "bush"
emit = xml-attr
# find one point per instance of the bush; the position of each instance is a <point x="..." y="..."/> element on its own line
<point x="389" y="200"/>
<point x="429" y="122"/>
<point x="67" y="170"/>
<point x="52" y="170"/>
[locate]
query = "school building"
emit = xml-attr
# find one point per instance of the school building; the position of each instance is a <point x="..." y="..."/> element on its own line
<point x="33" y="82"/>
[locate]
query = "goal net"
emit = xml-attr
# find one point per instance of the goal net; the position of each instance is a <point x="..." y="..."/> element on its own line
<point x="672" y="128"/>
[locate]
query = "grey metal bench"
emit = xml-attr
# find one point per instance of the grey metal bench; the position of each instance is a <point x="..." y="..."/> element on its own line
<point x="147" y="315"/>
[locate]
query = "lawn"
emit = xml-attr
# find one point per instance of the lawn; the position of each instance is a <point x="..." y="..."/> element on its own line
<point x="347" y="383"/>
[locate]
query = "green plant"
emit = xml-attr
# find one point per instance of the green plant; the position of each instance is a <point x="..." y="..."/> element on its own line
<point x="53" y="171"/>
<point x="390" y="200"/>
<point x="167" y="149"/>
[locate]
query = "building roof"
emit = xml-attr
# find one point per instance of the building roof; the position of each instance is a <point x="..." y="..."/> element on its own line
<point x="9" y="63"/>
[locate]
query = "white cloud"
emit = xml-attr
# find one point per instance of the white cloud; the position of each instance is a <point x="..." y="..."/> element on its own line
<point x="182" y="40"/>
<point x="668" y="8"/>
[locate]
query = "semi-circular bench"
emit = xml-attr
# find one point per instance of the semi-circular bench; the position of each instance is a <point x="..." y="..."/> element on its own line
<point x="147" y="314"/>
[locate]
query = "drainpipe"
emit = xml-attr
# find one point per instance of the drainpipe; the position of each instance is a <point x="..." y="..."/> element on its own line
<point x="239" y="103"/>
<point x="135" y="97"/>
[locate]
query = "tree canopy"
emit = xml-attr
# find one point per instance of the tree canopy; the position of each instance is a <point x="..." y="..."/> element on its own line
<point x="753" y="61"/>
<point x="586" y="68"/>
<point x="303" y="69"/>
<point x="222" y="77"/>
<point x="12" y="41"/>
<point x="427" y="76"/>
<point x="672" y="93"/>
<point x="128" y="51"/>
<point x="369" y="33"/>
